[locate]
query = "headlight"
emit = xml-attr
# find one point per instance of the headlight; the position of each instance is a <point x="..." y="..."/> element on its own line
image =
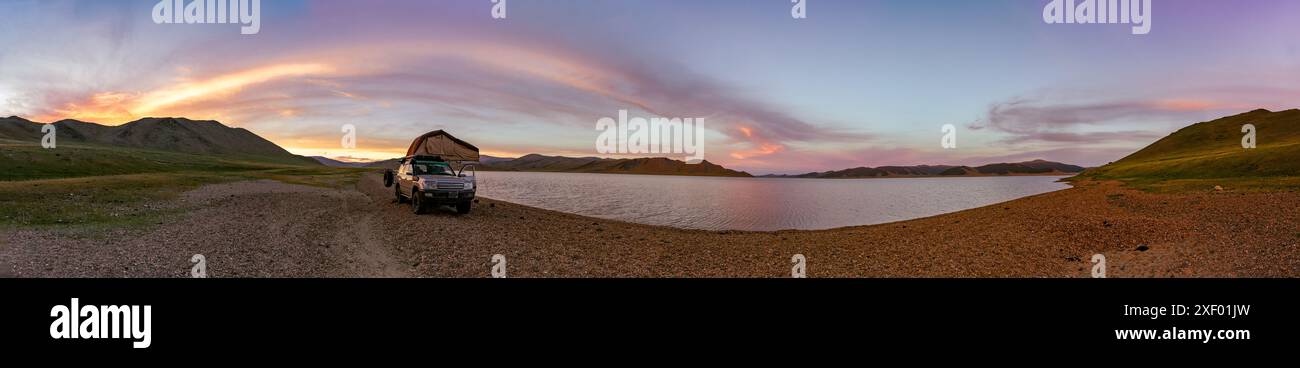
<point x="469" y="185"/>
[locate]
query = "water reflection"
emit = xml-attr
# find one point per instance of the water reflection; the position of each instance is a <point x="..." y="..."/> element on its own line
<point x="755" y="203"/>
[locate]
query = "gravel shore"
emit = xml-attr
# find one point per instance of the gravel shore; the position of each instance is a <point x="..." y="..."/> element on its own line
<point x="271" y="229"/>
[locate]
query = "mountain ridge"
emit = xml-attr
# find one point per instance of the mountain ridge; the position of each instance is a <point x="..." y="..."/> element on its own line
<point x="1035" y="167"/>
<point x="1210" y="153"/>
<point x="202" y="137"/>
<point x="645" y="166"/>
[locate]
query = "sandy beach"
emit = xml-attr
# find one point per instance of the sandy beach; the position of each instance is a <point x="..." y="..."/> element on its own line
<point x="271" y="229"/>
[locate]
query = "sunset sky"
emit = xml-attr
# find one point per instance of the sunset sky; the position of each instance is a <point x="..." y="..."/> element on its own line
<point x="857" y="83"/>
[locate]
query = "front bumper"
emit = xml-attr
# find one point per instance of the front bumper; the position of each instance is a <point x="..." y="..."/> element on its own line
<point x="447" y="196"/>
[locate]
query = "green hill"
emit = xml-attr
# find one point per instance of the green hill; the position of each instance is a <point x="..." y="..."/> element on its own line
<point x="1209" y="154"/>
<point x="171" y="135"/>
<point x="112" y="176"/>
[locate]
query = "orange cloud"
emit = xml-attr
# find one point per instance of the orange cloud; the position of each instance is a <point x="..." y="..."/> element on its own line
<point x="103" y="106"/>
<point x="764" y="147"/>
<point x="222" y="85"/>
<point x="120" y="107"/>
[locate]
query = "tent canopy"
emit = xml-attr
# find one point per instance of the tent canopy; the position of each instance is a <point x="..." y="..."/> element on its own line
<point x="439" y="143"/>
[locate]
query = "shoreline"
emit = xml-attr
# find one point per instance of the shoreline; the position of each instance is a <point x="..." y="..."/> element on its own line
<point x="806" y="223"/>
<point x="271" y="229"/>
<point x="1061" y="174"/>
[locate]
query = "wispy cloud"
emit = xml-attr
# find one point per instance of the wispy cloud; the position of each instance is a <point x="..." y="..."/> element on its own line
<point x="1029" y="120"/>
<point x="113" y="107"/>
<point x="776" y="95"/>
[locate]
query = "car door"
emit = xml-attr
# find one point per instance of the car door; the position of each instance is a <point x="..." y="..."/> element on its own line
<point x="403" y="178"/>
<point x="410" y="177"/>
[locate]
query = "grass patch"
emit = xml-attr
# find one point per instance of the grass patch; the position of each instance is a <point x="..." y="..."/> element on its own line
<point x="103" y="201"/>
<point x="1204" y="155"/>
<point x="1237" y="184"/>
<point x="95" y="187"/>
<point x="325" y="177"/>
<point x="31" y="162"/>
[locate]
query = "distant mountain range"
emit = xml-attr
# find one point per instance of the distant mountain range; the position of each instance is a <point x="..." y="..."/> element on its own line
<point x="1207" y="150"/>
<point x="665" y="166"/>
<point x="205" y="137"/>
<point x="336" y="163"/>
<point x="202" y="137"/>
<point x="1036" y="167"/>
<point x="645" y="166"/>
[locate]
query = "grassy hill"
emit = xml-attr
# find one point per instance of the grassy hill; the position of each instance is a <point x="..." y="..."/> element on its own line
<point x="1209" y="154"/>
<point x="178" y="135"/>
<point x="20" y="161"/>
<point x="79" y="186"/>
<point x="101" y="176"/>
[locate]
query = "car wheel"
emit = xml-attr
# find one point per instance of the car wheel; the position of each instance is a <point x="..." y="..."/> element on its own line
<point x="417" y="203"/>
<point x="398" y="192"/>
<point x="463" y="208"/>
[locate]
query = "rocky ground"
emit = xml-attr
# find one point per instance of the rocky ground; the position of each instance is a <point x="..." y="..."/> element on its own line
<point x="271" y="229"/>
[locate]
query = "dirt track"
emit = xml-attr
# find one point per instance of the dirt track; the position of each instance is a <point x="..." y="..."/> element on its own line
<point x="270" y="229"/>
<point x="244" y="229"/>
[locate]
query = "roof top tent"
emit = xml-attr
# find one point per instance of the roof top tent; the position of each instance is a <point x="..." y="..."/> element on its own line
<point x="442" y="144"/>
<point x="445" y="146"/>
<point x="442" y="147"/>
<point x="422" y="176"/>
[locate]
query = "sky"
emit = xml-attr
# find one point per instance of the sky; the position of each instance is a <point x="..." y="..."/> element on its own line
<point x="855" y="83"/>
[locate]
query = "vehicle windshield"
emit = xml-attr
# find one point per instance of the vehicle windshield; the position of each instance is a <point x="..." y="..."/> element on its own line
<point x="432" y="168"/>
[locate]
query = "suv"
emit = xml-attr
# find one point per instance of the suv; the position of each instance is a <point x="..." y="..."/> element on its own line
<point x="429" y="181"/>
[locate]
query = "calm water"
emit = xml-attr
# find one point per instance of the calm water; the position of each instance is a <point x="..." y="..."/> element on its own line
<point x="755" y="203"/>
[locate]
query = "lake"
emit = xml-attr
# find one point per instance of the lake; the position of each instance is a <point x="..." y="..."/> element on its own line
<point x="717" y="203"/>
